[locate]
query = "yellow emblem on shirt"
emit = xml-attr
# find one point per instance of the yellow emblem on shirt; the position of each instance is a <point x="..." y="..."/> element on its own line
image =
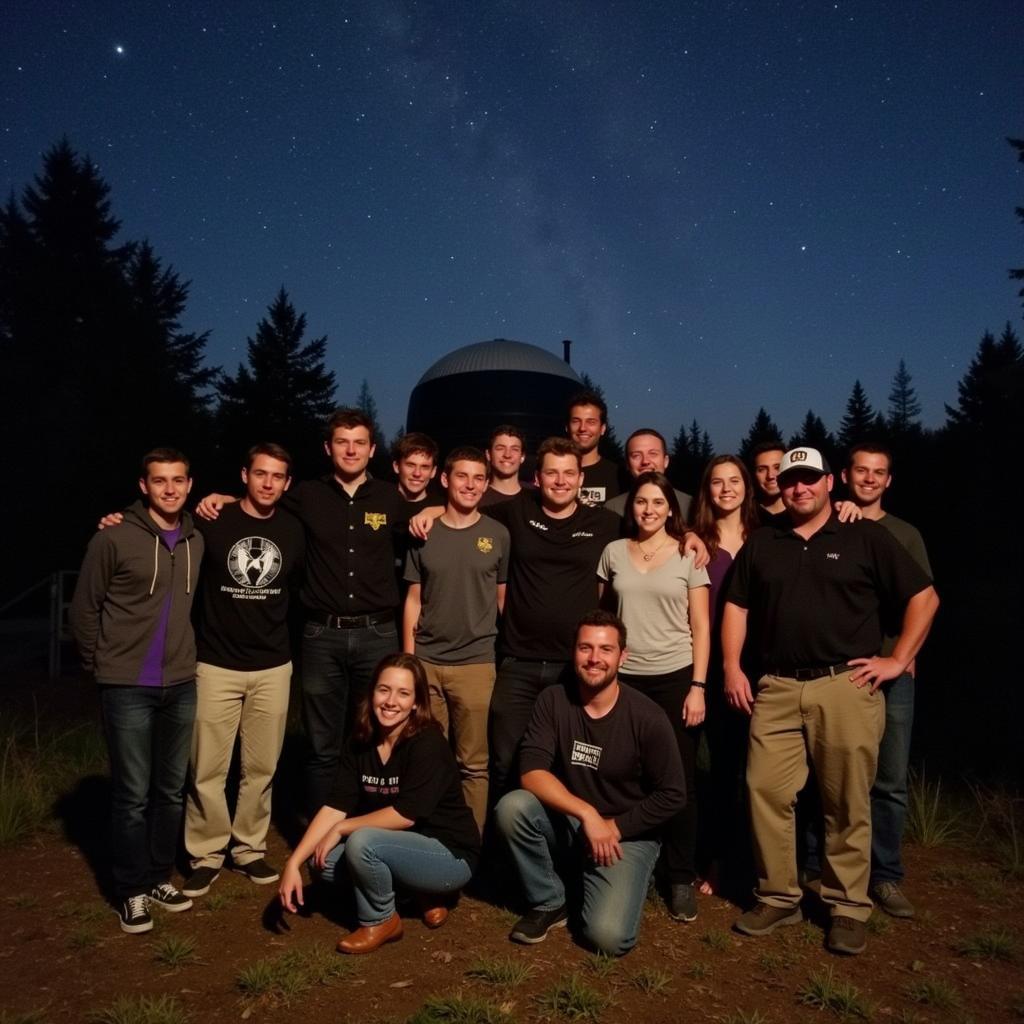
<point x="375" y="520"/>
<point x="485" y="545"/>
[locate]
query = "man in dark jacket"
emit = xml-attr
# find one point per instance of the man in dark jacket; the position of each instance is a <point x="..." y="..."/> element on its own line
<point x="131" y="619"/>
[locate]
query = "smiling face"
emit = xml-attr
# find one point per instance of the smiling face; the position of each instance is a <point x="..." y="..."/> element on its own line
<point x="868" y="477"/>
<point x="597" y="657"/>
<point x="805" y="493"/>
<point x="766" y="473"/>
<point x="645" y="454"/>
<point x="506" y="456"/>
<point x="650" y="509"/>
<point x="393" y="699"/>
<point x="727" y="488"/>
<point x="166" y="486"/>
<point x="265" y="481"/>
<point x="465" y="484"/>
<point x="585" y="427"/>
<point x="559" y="478"/>
<point x="350" y="451"/>
<point x="415" y="471"/>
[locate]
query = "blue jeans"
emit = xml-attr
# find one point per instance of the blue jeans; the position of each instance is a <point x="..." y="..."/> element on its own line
<point x="517" y="685"/>
<point x="378" y="858"/>
<point x="337" y="669"/>
<point x="148" y="731"/>
<point x="613" y="897"/>
<point x="889" y="793"/>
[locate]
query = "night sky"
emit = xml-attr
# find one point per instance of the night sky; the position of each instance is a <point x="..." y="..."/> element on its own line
<point x="725" y="205"/>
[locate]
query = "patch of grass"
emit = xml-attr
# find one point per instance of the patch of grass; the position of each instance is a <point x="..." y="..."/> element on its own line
<point x="86" y="913"/>
<point x="84" y="936"/>
<point x="25" y="1017"/>
<point x="1002" y="826"/>
<point x="601" y="965"/>
<point x="500" y="970"/>
<point x="745" y="1017"/>
<point x="997" y="944"/>
<point x="281" y="978"/>
<point x="935" y="992"/>
<point x="774" y="960"/>
<point x="175" y="950"/>
<point x="878" y="924"/>
<point x="23" y="901"/>
<point x="651" y="981"/>
<point x="905" y="1016"/>
<point x="140" y="1010"/>
<point x="716" y="939"/>
<point x="460" y="1009"/>
<point x="932" y="819"/>
<point x="573" y="999"/>
<point x="699" y="969"/>
<point x="220" y="900"/>
<point x="825" y="991"/>
<point x="806" y="934"/>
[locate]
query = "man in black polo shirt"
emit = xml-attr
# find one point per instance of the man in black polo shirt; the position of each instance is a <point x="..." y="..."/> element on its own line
<point x="349" y="591"/>
<point x="254" y="551"/>
<point x="815" y="594"/>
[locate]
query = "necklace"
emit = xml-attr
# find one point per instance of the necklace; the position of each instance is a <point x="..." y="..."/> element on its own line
<point x="645" y="555"/>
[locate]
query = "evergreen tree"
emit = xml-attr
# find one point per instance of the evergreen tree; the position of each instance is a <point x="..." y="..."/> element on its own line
<point x="904" y="408"/>
<point x="764" y="428"/>
<point x="610" y="447"/>
<point x="380" y="464"/>
<point x="691" y="449"/>
<point x="858" y="422"/>
<point x="814" y="434"/>
<point x="1017" y="274"/>
<point x="284" y="393"/>
<point x="988" y="408"/>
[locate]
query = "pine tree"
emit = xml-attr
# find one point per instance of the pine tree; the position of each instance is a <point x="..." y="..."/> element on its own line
<point x="858" y="422"/>
<point x="904" y="408"/>
<point x="814" y="434"/>
<point x="689" y="453"/>
<point x="1017" y="274"/>
<point x="380" y="463"/>
<point x="764" y="428"/>
<point x="988" y="408"/>
<point x="284" y="392"/>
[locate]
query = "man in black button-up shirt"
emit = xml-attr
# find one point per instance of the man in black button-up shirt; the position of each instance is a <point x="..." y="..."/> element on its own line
<point x="816" y="593"/>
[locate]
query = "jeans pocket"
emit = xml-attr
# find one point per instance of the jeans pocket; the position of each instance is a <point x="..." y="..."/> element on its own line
<point x="312" y="630"/>
<point x="385" y="630"/>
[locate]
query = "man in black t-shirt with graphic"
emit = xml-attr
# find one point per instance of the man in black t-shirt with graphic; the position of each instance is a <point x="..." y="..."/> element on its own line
<point x="253" y="553"/>
<point x="600" y="775"/>
<point x="587" y="423"/>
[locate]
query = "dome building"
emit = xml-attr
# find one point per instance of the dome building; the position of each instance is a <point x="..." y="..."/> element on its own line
<point x="471" y="390"/>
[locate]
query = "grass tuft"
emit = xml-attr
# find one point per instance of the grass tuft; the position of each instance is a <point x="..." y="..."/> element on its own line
<point x="601" y="965"/>
<point x="1001" y="827"/>
<point x="715" y="938"/>
<point x="651" y="981"/>
<point x="175" y="950"/>
<point x="935" y="992"/>
<point x="502" y="970"/>
<point x="282" y="978"/>
<point x="25" y="1017"/>
<point x="84" y="936"/>
<point x="745" y="1017"/>
<point x="573" y="999"/>
<point x="220" y="900"/>
<point x="825" y="991"/>
<point x="140" y="1010"/>
<point x="932" y="819"/>
<point x="878" y="924"/>
<point x="998" y="944"/>
<point x="699" y="969"/>
<point x="460" y="1009"/>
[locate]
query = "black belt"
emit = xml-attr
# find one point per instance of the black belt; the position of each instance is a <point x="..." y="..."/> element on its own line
<point x="356" y="621"/>
<point x="805" y="675"/>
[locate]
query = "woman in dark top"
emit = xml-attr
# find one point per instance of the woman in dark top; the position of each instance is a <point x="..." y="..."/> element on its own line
<point x="396" y="814"/>
<point x="724" y="515"/>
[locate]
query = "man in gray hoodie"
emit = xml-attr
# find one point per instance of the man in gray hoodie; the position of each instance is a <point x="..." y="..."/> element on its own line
<point x="131" y="619"/>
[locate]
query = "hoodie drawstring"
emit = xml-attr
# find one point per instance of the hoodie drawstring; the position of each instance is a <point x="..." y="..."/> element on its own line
<point x="188" y="567"/>
<point x="156" y="563"/>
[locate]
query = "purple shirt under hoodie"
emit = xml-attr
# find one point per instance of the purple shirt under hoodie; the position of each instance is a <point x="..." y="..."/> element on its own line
<point x="152" y="671"/>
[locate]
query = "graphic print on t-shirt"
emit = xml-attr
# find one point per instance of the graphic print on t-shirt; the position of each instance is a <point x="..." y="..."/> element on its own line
<point x="254" y="563"/>
<point x="587" y="755"/>
<point x="593" y="496"/>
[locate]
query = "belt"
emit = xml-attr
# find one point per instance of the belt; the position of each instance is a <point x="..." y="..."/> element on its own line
<point x="356" y="621"/>
<point x="806" y="674"/>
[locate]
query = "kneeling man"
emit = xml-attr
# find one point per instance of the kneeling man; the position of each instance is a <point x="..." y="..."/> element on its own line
<point x="600" y="775"/>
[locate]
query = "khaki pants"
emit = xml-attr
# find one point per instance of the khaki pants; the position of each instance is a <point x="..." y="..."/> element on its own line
<point x="254" y="707"/>
<point x="835" y="726"/>
<point x="460" y="696"/>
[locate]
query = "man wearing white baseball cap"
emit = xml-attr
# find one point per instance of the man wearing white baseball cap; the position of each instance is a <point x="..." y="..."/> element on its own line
<point x="812" y="594"/>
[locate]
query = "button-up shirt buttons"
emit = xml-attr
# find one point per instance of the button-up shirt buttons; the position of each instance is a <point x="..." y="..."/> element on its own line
<point x="351" y="574"/>
<point x="351" y="595"/>
<point x="351" y="551"/>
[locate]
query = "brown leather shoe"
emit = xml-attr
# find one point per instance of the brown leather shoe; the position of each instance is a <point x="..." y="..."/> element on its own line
<point x="366" y="940"/>
<point x="434" y="917"/>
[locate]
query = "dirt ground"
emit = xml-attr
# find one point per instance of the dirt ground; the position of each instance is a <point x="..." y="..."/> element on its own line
<point x="63" y="957"/>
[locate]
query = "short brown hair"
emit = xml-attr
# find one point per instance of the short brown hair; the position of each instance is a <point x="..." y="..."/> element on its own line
<point x="508" y="429"/>
<point x="466" y="453"/>
<point x="275" y="451"/>
<point x="587" y="398"/>
<point x="348" y="417"/>
<point x="414" y="444"/>
<point x="871" y="448"/>
<point x="364" y="728"/>
<point x="559" y="446"/>
<point x="601" y="618"/>
<point x="165" y="455"/>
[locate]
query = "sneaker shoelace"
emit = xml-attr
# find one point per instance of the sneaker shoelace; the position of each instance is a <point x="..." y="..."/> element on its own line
<point x="166" y="891"/>
<point x="137" y="905"/>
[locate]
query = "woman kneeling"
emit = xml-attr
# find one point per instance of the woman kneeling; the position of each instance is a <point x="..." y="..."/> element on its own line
<point x="396" y="814"/>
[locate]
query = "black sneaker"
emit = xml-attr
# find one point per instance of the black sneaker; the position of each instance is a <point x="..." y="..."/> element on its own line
<point x="134" y="914"/>
<point x="199" y="882"/>
<point x="682" y="902"/>
<point x="533" y="927"/>
<point x="166" y="896"/>
<point x="258" y="871"/>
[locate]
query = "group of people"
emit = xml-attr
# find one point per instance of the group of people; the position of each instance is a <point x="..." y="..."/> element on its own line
<point x="493" y="670"/>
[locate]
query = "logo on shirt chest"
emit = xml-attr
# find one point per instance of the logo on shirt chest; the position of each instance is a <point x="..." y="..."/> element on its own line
<point x="375" y="520"/>
<point x="593" y="495"/>
<point x="254" y="561"/>
<point x="832" y="556"/>
<point x="485" y="545"/>
<point x="586" y="755"/>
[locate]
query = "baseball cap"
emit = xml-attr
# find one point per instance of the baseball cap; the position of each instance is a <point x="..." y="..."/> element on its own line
<point x="804" y="458"/>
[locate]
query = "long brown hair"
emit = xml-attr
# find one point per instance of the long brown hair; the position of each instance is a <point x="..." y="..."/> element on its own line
<point x="705" y="522"/>
<point x="675" y="526"/>
<point x="366" y="729"/>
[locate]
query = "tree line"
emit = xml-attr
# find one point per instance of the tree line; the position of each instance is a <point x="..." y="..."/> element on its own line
<point x="97" y="368"/>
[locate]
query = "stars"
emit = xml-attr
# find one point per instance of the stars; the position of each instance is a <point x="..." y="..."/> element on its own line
<point x="120" y="50"/>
